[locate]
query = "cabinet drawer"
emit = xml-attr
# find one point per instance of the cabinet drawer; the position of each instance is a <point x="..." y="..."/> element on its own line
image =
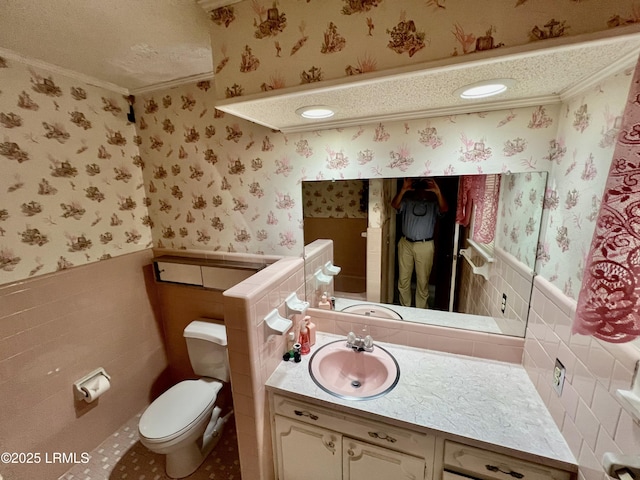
<point x="487" y="465"/>
<point x="220" y="278"/>
<point x="179" y="273"/>
<point x="395" y="438"/>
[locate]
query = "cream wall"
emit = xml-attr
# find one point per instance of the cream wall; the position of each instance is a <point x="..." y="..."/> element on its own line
<point x="215" y="182"/>
<point x="520" y="215"/>
<point x="579" y="163"/>
<point x="71" y="181"/>
<point x="260" y="46"/>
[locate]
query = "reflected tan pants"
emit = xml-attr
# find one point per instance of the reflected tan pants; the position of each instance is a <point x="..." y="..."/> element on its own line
<point x="420" y="255"/>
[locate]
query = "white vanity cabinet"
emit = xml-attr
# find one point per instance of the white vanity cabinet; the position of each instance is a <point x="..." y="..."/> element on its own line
<point x="444" y="421"/>
<point x="312" y="442"/>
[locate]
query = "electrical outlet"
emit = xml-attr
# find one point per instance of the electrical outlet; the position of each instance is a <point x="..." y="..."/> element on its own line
<point x="503" y="306"/>
<point x="558" y="377"/>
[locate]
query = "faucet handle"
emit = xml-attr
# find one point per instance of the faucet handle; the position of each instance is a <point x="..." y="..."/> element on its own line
<point x="351" y="338"/>
<point x="368" y="342"/>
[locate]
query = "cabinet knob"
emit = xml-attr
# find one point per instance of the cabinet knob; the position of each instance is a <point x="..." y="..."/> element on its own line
<point x="351" y="453"/>
<point x="330" y="446"/>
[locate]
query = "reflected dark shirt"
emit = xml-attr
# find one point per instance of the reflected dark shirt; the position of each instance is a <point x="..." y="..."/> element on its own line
<point x="418" y="218"/>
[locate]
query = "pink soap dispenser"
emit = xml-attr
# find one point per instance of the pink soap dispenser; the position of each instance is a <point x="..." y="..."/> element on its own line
<point x="312" y="330"/>
<point x="324" y="302"/>
<point x="305" y="345"/>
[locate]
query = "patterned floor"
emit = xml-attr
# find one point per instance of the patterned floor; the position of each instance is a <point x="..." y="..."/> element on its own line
<point x="122" y="457"/>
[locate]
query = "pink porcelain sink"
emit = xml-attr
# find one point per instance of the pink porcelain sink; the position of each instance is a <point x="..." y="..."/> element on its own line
<point x="352" y="375"/>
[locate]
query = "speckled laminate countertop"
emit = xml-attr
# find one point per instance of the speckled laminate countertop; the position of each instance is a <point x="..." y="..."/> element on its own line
<point x="480" y="402"/>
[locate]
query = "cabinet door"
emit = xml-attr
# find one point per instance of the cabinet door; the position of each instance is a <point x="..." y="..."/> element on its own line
<point x="307" y="452"/>
<point x="362" y="461"/>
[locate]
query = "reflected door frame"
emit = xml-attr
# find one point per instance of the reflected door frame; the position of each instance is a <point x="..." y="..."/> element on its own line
<point x="445" y="298"/>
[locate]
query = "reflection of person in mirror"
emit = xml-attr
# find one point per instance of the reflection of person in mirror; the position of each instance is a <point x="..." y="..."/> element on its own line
<point x="420" y="203"/>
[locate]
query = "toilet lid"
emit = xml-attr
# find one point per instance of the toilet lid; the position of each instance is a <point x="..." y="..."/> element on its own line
<point x="176" y="409"/>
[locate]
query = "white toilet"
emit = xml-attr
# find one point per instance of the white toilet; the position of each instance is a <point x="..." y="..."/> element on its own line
<point x="184" y="422"/>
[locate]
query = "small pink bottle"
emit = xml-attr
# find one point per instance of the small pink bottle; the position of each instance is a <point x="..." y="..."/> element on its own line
<point x="305" y="344"/>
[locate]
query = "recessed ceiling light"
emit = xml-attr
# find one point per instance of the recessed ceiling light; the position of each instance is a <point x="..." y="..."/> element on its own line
<point x="486" y="88"/>
<point x="315" y="112"/>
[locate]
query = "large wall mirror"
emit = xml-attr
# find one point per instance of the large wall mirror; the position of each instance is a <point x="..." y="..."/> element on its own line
<point x="481" y="286"/>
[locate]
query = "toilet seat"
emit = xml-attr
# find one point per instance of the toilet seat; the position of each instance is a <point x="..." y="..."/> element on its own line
<point x="177" y="409"/>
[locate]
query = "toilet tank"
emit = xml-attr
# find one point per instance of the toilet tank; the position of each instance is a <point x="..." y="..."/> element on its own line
<point x="207" y="346"/>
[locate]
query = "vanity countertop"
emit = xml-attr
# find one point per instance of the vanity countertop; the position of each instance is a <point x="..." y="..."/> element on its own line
<point x="472" y="400"/>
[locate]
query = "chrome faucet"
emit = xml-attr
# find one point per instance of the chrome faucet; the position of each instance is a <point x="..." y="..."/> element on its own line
<point x="358" y="343"/>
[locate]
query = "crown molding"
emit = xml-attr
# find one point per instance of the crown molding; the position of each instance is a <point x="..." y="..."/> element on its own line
<point x="32" y="62"/>
<point x="172" y="83"/>
<point x="628" y="60"/>
<point x="419" y="114"/>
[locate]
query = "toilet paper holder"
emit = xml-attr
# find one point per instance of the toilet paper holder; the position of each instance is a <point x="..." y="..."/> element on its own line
<point x="92" y="386"/>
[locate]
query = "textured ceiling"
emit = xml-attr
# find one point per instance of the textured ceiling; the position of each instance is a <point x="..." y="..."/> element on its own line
<point x="138" y="45"/>
<point x="131" y="44"/>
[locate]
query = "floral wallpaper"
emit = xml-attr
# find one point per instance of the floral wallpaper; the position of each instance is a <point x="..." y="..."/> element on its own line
<point x="579" y="161"/>
<point x="521" y="202"/>
<point x="343" y="199"/>
<point x="262" y="45"/>
<point x="216" y="182"/>
<point x="380" y="196"/>
<point x="82" y="183"/>
<point x="71" y="184"/>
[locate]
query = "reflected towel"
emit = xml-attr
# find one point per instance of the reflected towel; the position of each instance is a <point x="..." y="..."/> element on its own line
<point x="483" y="191"/>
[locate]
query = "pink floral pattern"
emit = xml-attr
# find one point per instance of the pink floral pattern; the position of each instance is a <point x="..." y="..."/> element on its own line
<point x="474" y="195"/>
<point x="521" y="203"/>
<point x="578" y="162"/>
<point x="609" y="300"/>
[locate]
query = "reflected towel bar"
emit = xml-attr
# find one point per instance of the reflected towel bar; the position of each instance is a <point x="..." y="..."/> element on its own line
<point x="478" y="270"/>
